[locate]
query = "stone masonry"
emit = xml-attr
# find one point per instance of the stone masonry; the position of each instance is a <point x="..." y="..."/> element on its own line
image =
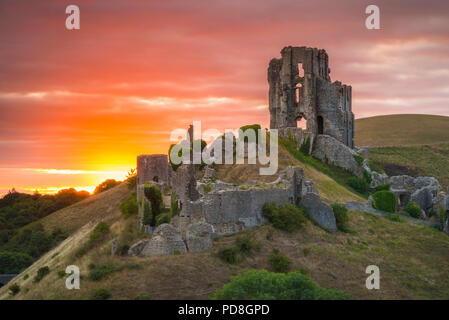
<point x="300" y="87"/>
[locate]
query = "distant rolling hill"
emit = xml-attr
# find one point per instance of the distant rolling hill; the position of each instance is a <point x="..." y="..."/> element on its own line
<point x="413" y="144"/>
<point x="401" y="129"/>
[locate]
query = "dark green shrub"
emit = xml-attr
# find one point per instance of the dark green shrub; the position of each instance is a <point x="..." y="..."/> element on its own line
<point x="245" y="245"/>
<point x="123" y="249"/>
<point x="381" y="187"/>
<point x="279" y="261"/>
<point x="61" y="273"/>
<point x="14" y="262"/>
<point x="367" y="177"/>
<point x="228" y="254"/>
<point x="147" y="216"/>
<point x="358" y="158"/>
<point x="341" y="216"/>
<point x="384" y="200"/>
<point x="286" y="217"/>
<point x="100" y="294"/>
<point x="41" y="273"/>
<point x="443" y="216"/>
<point x="264" y="285"/>
<point x="14" y="289"/>
<point x="98" y="272"/>
<point x="207" y="188"/>
<point x="163" y="218"/>
<point x="154" y="196"/>
<point x="306" y="251"/>
<point x="129" y="206"/>
<point x="174" y="209"/>
<point x="413" y="209"/>
<point x="305" y="146"/>
<point x="359" y="185"/>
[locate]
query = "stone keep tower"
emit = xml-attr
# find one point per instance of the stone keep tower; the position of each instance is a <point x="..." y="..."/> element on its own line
<point x="300" y="88"/>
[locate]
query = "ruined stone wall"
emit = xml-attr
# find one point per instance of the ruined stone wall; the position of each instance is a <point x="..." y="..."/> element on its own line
<point x="152" y="167"/>
<point x="325" y="105"/>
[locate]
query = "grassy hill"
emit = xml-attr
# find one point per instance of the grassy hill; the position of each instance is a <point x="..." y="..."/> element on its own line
<point x="412" y="258"/>
<point x="417" y="145"/>
<point x="401" y="130"/>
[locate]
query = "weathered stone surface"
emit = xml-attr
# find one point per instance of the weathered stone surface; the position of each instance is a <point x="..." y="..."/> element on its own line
<point x="199" y="237"/>
<point x="320" y="212"/>
<point x="292" y="95"/>
<point x="329" y="149"/>
<point x="363" y="151"/>
<point x="378" y="178"/>
<point x="402" y="182"/>
<point x="114" y="247"/>
<point x="136" y="248"/>
<point x="308" y="187"/>
<point x="166" y="240"/>
<point x="209" y="173"/>
<point x="423" y="197"/>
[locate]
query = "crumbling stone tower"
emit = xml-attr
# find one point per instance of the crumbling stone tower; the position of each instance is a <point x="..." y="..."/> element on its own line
<point x="300" y="88"/>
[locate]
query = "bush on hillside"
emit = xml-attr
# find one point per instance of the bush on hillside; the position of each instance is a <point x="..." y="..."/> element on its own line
<point x="358" y="158"/>
<point x="14" y="262"/>
<point x="264" y="285"/>
<point x="100" y="294"/>
<point x="41" y="273"/>
<point x="100" y="230"/>
<point x="413" y="209"/>
<point x="131" y="179"/>
<point x="154" y="195"/>
<point x="174" y="208"/>
<point x="305" y="146"/>
<point x="228" y="254"/>
<point x="384" y="200"/>
<point x="14" y="289"/>
<point x="359" y="185"/>
<point x="129" y="206"/>
<point x="245" y="245"/>
<point x="279" y="261"/>
<point x="106" y="185"/>
<point x="163" y="218"/>
<point x="98" y="272"/>
<point x="286" y="217"/>
<point x="341" y="216"/>
<point x="381" y="187"/>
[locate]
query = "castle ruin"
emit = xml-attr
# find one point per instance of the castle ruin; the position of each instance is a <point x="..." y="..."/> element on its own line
<point x="300" y="88"/>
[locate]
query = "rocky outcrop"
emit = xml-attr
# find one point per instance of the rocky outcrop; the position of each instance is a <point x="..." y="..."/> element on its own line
<point x="166" y="240"/>
<point x="378" y="179"/>
<point x="320" y="212"/>
<point x="423" y="190"/>
<point x="330" y="150"/>
<point x="199" y="237"/>
<point x="137" y="248"/>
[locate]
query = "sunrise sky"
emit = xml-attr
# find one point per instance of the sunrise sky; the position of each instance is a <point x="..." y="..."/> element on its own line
<point x="77" y="107"/>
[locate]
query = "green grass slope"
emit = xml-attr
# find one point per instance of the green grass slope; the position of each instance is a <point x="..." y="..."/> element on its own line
<point x="401" y="130"/>
<point x="413" y="260"/>
<point x="417" y="145"/>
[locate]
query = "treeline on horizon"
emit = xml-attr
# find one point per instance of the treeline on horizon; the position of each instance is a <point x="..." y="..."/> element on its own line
<point x="23" y="238"/>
